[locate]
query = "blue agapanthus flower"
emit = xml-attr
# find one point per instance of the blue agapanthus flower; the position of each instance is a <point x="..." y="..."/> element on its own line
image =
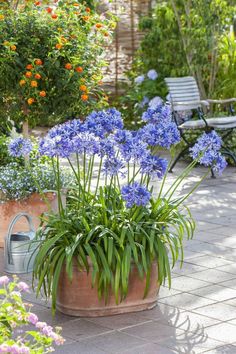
<point x="122" y="136"/>
<point x="113" y="166"/>
<point x="207" y="150"/>
<point x="107" y="147"/>
<point x="20" y="147"/>
<point x="85" y="143"/>
<point x="154" y="166"/>
<point x="68" y="130"/>
<point x="152" y="74"/>
<point x="104" y="122"/>
<point x="139" y="79"/>
<point x="164" y="134"/>
<point x="134" y="149"/>
<point x="157" y="112"/>
<point x="135" y="194"/>
<point x="59" y="145"/>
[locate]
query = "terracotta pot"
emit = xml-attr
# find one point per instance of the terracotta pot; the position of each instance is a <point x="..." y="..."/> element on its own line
<point x="34" y="205"/>
<point x="78" y="298"/>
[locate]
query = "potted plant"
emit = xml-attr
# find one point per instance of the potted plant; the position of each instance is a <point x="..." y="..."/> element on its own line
<point x="27" y="188"/>
<point x="106" y="252"/>
<point x="51" y="60"/>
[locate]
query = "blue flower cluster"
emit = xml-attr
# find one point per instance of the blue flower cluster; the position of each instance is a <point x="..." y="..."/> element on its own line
<point x="113" y="167"/>
<point x="104" y="122"/>
<point x="151" y="74"/>
<point x="154" y="166"/>
<point x="207" y="150"/>
<point x="20" y="147"/>
<point x="135" y="194"/>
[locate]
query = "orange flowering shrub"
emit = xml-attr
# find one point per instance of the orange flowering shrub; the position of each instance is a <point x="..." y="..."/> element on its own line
<point x="51" y="60"/>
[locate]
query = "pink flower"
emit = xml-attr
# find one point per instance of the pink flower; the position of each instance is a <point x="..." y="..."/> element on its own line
<point x="4" y="280"/>
<point x="14" y="349"/>
<point x="47" y="330"/>
<point x="41" y="325"/>
<point x="4" y="348"/>
<point x="22" y="286"/>
<point x="32" y="318"/>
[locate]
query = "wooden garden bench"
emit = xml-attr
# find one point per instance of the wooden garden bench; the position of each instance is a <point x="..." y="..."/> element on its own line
<point x="185" y="96"/>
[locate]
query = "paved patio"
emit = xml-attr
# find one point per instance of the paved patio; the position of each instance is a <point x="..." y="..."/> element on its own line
<point x="198" y="315"/>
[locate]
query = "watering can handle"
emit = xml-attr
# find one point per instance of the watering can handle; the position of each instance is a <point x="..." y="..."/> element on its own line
<point x="12" y="224"/>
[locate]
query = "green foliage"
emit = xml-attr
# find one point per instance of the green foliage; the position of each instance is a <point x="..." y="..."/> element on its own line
<point x="50" y="61"/>
<point x="114" y="238"/>
<point x="185" y="38"/>
<point x="15" y="315"/>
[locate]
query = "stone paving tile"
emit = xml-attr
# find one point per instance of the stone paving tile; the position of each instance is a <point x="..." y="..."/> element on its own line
<point x="188" y="321"/>
<point x="213" y="276"/>
<point x="164" y="292"/>
<point x="120" y="321"/>
<point x="150" y="349"/>
<point x="225" y="349"/>
<point x="79" y="348"/>
<point x="187" y="268"/>
<point x="116" y="342"/>
<point x="219" y="311"/>
<point x="229" y="283"/>
<point x="186" y="283"/>
<point x="216" y="292"/>
<point x="191" y="343"/>
<point x="78" y="329"/>
<point x="230" y="268"/>
<point x="152" y="331"/>
<point x="209" y="261"/>
<point x="186" y="301"/>
<point x="224" y="332"/>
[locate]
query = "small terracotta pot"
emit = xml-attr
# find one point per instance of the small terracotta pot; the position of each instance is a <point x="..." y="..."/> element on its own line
<point x="34" y="205"/>
<point x="78" y="298"/>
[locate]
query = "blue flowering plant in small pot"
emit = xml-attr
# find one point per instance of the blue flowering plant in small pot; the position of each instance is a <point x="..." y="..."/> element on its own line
<point x="120" y="215"/>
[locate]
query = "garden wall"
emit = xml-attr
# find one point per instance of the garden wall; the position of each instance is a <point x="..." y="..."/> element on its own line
<point x="126" y="40"/>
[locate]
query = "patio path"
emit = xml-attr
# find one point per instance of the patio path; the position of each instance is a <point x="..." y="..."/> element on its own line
<point x="198" y="315"/>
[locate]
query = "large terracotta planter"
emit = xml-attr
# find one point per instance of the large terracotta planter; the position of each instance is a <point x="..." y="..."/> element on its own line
<point x="78" y="298"/>
<point x="34" y="205"/>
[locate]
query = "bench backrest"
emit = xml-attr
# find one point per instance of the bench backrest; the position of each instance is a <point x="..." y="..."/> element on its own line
<point x="183" y="89"/>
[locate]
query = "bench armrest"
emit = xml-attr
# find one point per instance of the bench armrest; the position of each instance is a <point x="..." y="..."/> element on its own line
<point x="227" y="100"/>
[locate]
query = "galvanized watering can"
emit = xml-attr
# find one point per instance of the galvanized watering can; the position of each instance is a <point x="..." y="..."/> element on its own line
<point x="20" y="251"/>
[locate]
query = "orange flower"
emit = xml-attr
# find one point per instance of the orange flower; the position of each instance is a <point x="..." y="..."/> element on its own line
<point x="68" y="66"/>
<point x="37" y="76"/>
<point x="106" y="34"/>
<point x="76" y="4"/>
<point x="86" y="18"/>
<point x="49" y="10"/>
<point x="83" y="88"/>
<point x="28" y="74"/>
<point x="63" y="39"/>
<point x="38" y="62"/>
<point x="29" y="66"/>
<point x="22" y="82"/>
<point x="42" y="93"/>
<point x="58" y="46"/>
<point x="84" y="97"/>
<point x="79" y="69"/>
<point x="98" y="25"/>
<point x="13" y="47"/>
<point x="54" y="16"/>
<point x="34" y="83"/>
<point x="2" y="17"/>
<point x="37" y="3"/>
<point x="30" y="101"/>
<point x="87" y="9"/>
